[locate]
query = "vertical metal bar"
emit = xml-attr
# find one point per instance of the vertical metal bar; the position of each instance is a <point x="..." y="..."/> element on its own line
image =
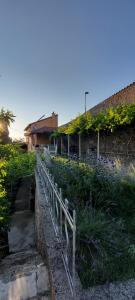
<point x="60" y="218"/>
<point x="61" y="144"/>
<point x="74" y="249"/>
<point x="66" y="234"/>
<point x="56" y="147"/>
<point x="61" y="213"/>
<point x="98" y="145"/>
<point x="53" y="206"/>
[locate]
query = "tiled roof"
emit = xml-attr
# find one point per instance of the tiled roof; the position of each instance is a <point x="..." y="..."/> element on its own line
<point x="38" y="121"/>
<point x="43" y="130"/>
<point x="124" y="96"/>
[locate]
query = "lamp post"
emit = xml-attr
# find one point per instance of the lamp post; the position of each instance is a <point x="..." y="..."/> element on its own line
<point x="86" y="93"/>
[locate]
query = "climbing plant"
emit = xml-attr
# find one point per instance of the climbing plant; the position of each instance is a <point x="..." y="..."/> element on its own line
<point x="106" y="120"/>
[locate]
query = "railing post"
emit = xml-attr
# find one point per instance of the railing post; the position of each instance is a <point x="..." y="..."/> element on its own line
<point x="80" y="145"/>
<point x="61" y="213"/>
<point x="98" y="145"/>
<point x="61" y="217"/>
<point x="61" y="144"/>
<point x="54" y="142"/>
<point x="74" y="250"/>
<point x="53" y="208"/>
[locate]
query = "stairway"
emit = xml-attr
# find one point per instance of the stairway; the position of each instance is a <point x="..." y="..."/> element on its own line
<point x="23" y="273"/>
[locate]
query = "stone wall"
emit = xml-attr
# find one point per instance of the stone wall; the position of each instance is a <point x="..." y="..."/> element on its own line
<point x="119" y="144"/>
<point x="40" y="230"/>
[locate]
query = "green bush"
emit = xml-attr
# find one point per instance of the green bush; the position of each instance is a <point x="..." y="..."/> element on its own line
<point x="107" y="120"/>
<point x="4" y="204"/>
<point x="9" y="150"/>
<point x="14" y="165"/>
<point x="105" y="205"/>
<point x="103" y="248"/>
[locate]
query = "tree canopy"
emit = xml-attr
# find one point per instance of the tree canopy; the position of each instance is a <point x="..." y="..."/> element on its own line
<point x="106" y="120"/>
<point x="6" y="116"/>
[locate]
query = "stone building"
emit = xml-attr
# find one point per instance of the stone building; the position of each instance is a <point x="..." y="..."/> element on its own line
<point x="38" y="133"/>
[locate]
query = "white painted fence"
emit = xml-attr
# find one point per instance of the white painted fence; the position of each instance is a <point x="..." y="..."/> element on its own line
<point x="63" y="220"/>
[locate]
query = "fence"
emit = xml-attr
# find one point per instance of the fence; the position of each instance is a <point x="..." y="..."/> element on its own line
<point x="63" y="219"/>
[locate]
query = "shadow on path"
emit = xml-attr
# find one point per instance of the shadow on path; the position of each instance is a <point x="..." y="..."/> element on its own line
<point x="23" y="273"/>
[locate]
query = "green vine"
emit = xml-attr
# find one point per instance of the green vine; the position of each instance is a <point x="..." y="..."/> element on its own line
<point x="106" y="120"/>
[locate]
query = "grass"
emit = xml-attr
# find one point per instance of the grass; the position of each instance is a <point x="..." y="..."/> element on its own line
<point x="105" y="205"/>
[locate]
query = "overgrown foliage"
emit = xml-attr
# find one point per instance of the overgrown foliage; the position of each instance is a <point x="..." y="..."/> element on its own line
<point x="14" y="165"/>
<point x="4" y="204"/>
<point x="106" y="120"/>
<point x="105" y="205"/>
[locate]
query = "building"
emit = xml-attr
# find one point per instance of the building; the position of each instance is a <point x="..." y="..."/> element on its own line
<point x="119" y="144"/>
<point x="124" y="96"/>
<point x="38" y="133"/>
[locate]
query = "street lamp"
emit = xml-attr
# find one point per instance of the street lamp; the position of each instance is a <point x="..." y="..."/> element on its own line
<point x="86" y="93"/>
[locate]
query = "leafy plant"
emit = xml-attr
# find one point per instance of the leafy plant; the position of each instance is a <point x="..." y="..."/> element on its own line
<point x="14" y="165"/>
<point x="104" y="201"/>
<point x="107" y="120"/>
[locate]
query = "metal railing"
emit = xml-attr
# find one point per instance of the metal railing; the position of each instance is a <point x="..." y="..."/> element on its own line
<point x="63" y="219"/>
<point x="52" y="149"/>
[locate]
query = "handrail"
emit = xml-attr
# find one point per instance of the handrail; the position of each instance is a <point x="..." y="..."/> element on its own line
<point x="63" y="222"/>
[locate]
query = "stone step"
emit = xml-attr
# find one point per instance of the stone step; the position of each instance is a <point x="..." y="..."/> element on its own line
<point x="18" y="258"/>
<point x="24" y="276"/>
<point x="21" y="205"/>
<point x="21" y="234"/>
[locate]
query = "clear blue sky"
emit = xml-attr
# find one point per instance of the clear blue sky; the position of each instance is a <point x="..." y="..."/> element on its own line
<point x="51" y="51"/>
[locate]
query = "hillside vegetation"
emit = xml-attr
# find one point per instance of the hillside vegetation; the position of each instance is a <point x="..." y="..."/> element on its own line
<point x="105" y="205"/>
<point x="14" y="165"/>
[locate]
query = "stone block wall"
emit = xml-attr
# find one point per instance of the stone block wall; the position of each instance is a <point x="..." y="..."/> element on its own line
<point x="119" y="144"/>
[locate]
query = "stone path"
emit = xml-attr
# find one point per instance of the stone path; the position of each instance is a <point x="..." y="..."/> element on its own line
<point x="24" y="276"/>
<point x="23" y="273"/>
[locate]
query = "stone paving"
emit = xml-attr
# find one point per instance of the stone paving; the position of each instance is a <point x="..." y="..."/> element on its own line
<point x="23" y="273"/>
<point x="23" y="276"/>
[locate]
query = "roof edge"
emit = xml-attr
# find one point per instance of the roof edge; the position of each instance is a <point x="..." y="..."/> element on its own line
<point x="38" y="121"/>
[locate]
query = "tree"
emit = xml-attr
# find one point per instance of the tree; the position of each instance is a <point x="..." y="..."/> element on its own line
<point x="6" y="118"/>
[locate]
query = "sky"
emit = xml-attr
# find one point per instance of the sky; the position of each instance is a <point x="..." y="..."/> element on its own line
<point x="52" y="51"/>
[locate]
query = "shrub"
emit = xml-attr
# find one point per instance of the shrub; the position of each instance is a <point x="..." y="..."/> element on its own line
<point x="104" y="201"/>
<point x="14" y="165"/>
<point x="4" y="204"/>
<point x="103" y="248"/>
